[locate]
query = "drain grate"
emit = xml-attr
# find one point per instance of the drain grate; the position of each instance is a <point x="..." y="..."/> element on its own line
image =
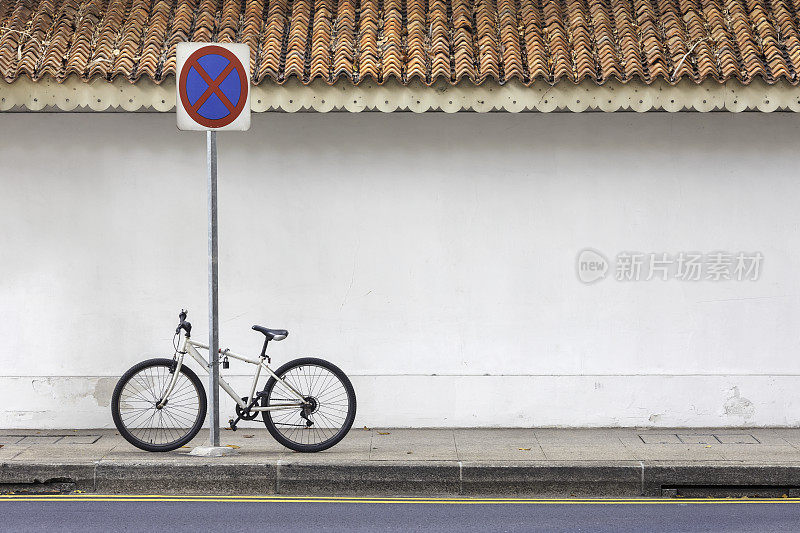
<point x="664" y="438"/>
<point x="698" y="438"/>
<point x="730" y="491"/>
<point x="737" y="439"/>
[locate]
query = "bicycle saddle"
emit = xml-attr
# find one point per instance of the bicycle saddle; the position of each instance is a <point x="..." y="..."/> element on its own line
<point x="272" y="334"/>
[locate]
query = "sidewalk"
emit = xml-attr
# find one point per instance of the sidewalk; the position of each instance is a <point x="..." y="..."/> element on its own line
<point x="546" y="462"/>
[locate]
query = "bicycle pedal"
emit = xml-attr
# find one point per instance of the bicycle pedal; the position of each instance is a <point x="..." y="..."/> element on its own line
<point x="232" y="424"/>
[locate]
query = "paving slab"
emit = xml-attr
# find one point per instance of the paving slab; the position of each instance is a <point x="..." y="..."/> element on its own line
<point x="660" y="438"/>
<point x="697" y="438"/>
<point x="498" y="445"/>
<point x="767" y="437"/>
<point x="413" y="445"/>
<point x="356" y="446"/>
<point x="80" y="439"/>
<point x="759" y="453"/>
<point x="562" y="437"/>
<point x="8" y="453"/>
<point x="670" y="451"/>
<point x="40" y="439"/>
<point x="588" y="453"/>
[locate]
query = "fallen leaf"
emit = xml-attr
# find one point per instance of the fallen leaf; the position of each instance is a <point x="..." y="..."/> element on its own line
<point x="227" y="429"/>
<point x="185" y="446"/>
<point x="708" y="446"/>
<point x="525" y="449"/>
<point x="1" y="445"/>
<point x="235" y="447"/>
<point x="383" y="433"/>
<point x="78" y="492"/>
<point x="366" y="428"/>
<point x="407" y="453"/>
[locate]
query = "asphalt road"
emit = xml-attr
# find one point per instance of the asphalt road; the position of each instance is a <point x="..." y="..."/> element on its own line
<point x="95" y="513"/>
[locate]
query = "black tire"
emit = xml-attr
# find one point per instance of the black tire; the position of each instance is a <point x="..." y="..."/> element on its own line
<point x="334" y="407"/>
<point x="136" y="389"/>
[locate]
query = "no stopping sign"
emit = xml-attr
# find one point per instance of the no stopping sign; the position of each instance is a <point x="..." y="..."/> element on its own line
<point x="213" y="86"/>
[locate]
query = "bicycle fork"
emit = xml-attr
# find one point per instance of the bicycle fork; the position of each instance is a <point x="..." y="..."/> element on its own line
<point x="175" y="371"/>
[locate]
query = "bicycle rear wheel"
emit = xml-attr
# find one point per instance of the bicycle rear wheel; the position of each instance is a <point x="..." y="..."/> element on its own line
<point x="138" y="418"/>
<point x="331" y="409"/>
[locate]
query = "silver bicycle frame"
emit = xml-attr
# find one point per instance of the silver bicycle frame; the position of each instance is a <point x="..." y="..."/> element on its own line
<point x="190" y="346"/>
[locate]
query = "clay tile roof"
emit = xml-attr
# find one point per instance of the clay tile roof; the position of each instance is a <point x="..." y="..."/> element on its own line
<point x="428" y="40"/>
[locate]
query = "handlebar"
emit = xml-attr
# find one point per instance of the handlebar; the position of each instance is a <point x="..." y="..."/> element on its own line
<point x="184" y="325"/>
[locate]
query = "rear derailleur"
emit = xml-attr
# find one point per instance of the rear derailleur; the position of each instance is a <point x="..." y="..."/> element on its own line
<point x="310" y="406"/>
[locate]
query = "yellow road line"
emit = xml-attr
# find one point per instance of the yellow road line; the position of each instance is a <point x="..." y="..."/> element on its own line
<point x="345" y="499"/>
<point x="393" y="498"/>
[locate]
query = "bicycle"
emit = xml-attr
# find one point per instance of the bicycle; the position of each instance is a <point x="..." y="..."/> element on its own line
<point x="159" y="405"/>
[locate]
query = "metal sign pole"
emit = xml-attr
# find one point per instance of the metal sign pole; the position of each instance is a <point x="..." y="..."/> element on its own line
<point x="231" y="85"/>
<point x="213" y="306"/>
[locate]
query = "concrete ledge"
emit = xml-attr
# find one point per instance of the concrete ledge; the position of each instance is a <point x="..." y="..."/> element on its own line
<point x="596" y="478"/>
<point x="369" y="477"/>
<point x="184" y="478"/>
<point x="580" y="479"/>
<point x="611" y="462"/>
<point x="79" y="476"/>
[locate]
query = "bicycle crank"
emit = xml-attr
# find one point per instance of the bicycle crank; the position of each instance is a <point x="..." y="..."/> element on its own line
<point x="246" y="413"/>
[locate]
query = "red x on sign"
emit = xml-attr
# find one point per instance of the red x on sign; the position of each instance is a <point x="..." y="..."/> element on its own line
<point x="213" y="86"/>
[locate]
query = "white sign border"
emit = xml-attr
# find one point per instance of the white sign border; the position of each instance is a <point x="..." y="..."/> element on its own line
<point x="182" y="53"/>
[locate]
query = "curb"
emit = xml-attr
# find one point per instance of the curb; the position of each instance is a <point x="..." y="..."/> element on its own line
<point x="224" y="476"/>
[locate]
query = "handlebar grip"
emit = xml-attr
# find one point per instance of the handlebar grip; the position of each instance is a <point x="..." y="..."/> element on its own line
<point x="184" y="325"/>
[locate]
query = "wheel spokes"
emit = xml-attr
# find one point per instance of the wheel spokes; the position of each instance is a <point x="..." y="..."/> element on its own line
<point x="330" y="400"/>
<point x="146" y="422"/>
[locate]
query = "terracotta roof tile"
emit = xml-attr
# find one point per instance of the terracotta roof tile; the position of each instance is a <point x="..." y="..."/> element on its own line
<point x="525" y="40"/>
<point x="344" y="40"/>
<point x="438" y="50"/>
<point x="535" y="52"/>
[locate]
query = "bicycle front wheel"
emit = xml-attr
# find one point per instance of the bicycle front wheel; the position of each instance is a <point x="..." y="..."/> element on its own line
<point x="328" y="415"/>
<point x="134" y="406"/>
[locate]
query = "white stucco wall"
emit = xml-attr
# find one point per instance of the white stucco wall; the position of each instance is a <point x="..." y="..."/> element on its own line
<point x="431" y="257"/>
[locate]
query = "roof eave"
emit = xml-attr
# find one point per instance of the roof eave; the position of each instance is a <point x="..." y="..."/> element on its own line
<point x="74" y="94"/>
